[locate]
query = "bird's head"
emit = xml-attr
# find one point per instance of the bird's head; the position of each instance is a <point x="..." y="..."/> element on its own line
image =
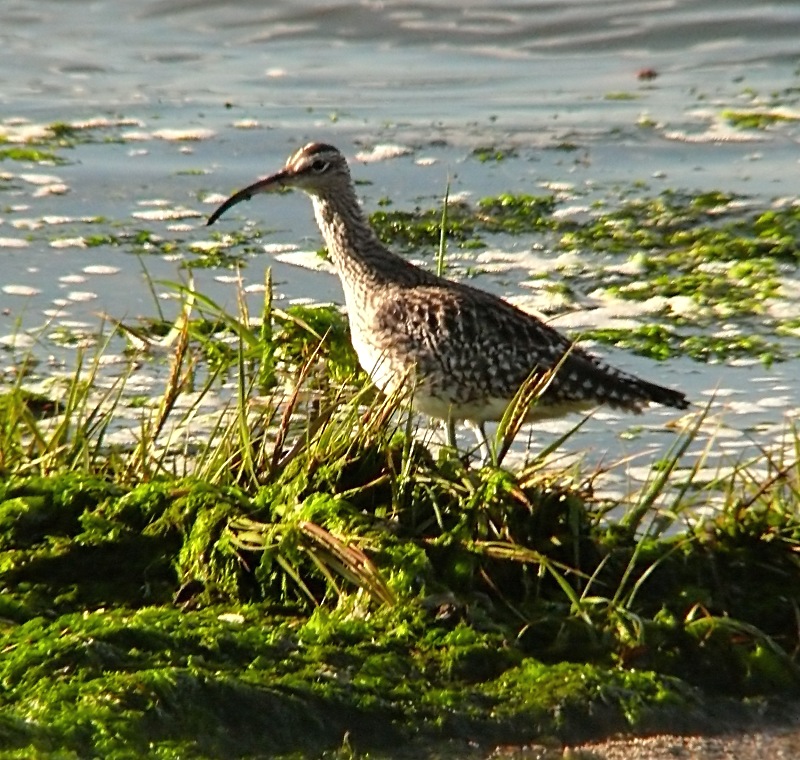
<point x="316" y="168"/>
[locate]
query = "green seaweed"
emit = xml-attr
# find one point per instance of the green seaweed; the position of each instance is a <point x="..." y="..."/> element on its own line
<point x="491" y="153"/>
<point x="30" y="154"/>
<point x="661" y="342"/>
<point x="755" y="119"/>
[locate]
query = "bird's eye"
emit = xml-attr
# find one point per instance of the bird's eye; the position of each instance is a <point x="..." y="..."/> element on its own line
<point x="319" y="166"/>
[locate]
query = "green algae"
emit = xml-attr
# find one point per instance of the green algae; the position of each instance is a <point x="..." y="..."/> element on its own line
<point x="620" y="95"/>
<point x="491" y="153"/>
<point x="295" y="336"/>
<point x="137" y="616"/>
<point x="43" y="146"/>
<point x="515" y="214"/>
<point x="422" y="228"/>
<point x="506" y="213"/>
<point x="140" y="242"/>
<point x="30" y="155"/>
<point x="756" y="119"/>
<point x="210" y="684"/>
<point x="134" y="618"/>
<point x="661" y="342"/>
<point x="21" y="402"/>
<point x="321" y="330"/>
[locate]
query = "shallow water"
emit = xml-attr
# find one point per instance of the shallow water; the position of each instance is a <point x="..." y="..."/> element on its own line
<point x="198" y="98"/>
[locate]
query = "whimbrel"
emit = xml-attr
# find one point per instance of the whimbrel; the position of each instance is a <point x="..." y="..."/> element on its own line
<point x="463" y="352"/>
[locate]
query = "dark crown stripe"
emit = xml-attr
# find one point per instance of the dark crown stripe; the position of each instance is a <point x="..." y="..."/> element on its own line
<point x="312" y="149"/>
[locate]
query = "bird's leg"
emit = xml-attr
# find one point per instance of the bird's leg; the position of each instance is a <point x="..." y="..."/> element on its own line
<point x="484" y="447"/>
<point x="483" y="444"/>
<point x="451" y="432"/>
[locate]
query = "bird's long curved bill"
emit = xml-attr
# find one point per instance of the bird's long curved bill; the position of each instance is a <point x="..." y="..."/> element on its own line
<point x="273" y="182"/>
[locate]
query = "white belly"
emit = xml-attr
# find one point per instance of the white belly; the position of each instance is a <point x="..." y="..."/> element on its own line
<point x="390" y="377"/>
<point x="377" y="365"/>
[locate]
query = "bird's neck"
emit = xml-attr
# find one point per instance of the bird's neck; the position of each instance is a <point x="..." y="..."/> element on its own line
<point x="353" y="246"/>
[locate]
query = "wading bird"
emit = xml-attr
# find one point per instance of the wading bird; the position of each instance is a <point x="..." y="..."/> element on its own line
<point x="462" y="352"/>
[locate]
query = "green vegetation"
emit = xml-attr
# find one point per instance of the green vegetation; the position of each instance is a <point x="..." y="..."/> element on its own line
<point x="620" y="95"/>
<point x="755" y="119"/>
<point x="491" y="153"/>
<point x="316" y="579"/>
<point x="660" y="342"/>
<point x="466" y="227"/>
<point x="30" y="155"/>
